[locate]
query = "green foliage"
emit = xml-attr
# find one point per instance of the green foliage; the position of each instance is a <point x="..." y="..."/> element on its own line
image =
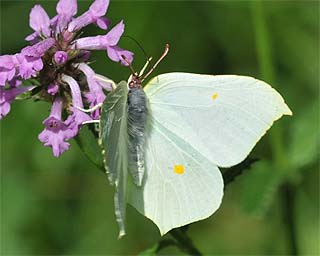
<point x="304" y="141"/>
<point x="150" y="251"/>
<point x="257" y="198"/>
<point x="88" y="143"/>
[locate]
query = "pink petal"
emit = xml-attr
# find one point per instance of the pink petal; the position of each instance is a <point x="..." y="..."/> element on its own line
<point x="67" y="7"/>
<point x="39" y="20"/>
<point x="103" y="23"/>
<point x="113" y="37"/>
<point x="116" y="54"/>
<point x="99" y="7"/>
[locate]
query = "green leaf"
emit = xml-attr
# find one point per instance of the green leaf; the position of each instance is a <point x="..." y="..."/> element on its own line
<point x="31" y="81"/>
<point x="24" y="96"/>
<point x="155" y="249"/>
<point x="259" y="188"/>
<point x="230" y="174"/>
<point x="90" y="146"/>
<point x="114" y="140"/>
<point x="304" y="142"/>
<point x="28" y="94"/>
<point x="150" y="251"/>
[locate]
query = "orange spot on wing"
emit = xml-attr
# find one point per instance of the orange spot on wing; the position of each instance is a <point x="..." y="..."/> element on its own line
<point x="214" y="96"/>
<point x="178" y="169"/>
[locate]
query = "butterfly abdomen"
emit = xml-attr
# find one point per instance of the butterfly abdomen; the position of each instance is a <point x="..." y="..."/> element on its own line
<point x="137" y="114"/>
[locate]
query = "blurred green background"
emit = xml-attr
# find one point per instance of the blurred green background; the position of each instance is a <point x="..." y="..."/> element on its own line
<point x="65" y="205"/>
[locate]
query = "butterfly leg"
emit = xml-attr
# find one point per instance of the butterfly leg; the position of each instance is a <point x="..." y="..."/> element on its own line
<point x="89" y="110"/>
<point x="91" y="122"/>
<point x="106" y="80"/>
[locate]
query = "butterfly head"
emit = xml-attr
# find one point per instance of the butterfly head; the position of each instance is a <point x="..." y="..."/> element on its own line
<point x="136" y="79"/>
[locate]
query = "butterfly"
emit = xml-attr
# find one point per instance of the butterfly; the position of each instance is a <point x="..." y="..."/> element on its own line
<point x="164" y="143"/>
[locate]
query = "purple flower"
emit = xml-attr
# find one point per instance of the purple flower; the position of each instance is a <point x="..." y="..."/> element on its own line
<point x="7" y="68"/>
<point x="39" y="22"/>
<point x="94" y="15"/>
<point x="95" y="94"/>
<point x="29" y="59"/>
<point x="60" y="57"/>
<point x="84" y="55"/>
<point x="53" y="89"/>
<point x="19" y="64"/>
<point x="66" y="9"/>
<point x="7" y="62"/>
<point x="29" y="66"/>
<point x="109" y="43"/>
<point x="56" y="59"/>
<point x="33" y="38"/>
<point x="15" y="82"/>
<point x="103" y="82"/>
<point x="77" y="118"/>
<point x="25" y="64"/>
<point x="56" y="132"/>
<point x="8" y="95"/>
<point x="117" y="54"/>
<point x="101" y="42"/>
<point x="38" y="49"/>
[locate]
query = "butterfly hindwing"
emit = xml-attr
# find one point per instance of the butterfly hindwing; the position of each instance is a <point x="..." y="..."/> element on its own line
<point x="180" y="185"/>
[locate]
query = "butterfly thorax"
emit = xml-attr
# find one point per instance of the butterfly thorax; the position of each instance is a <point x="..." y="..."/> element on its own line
<point x="137" y="115"/>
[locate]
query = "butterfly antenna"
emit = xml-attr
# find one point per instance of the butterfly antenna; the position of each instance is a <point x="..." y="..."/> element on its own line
<point x="164" y="54"/>
<point x="139" y="45"/>
<point x="129" y="64"/>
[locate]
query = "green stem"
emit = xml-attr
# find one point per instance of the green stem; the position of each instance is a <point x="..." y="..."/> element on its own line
<point x="184" y="242"/>
<point x="264" y="54"/>
<point x="232" y="173"/>
<point x="165" y="243"/>
<point x="288" y="194"/>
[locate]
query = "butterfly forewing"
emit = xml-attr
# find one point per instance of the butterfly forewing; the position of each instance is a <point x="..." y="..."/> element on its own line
<point x="222" y="117"/>
<point x="114" y="139"/>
